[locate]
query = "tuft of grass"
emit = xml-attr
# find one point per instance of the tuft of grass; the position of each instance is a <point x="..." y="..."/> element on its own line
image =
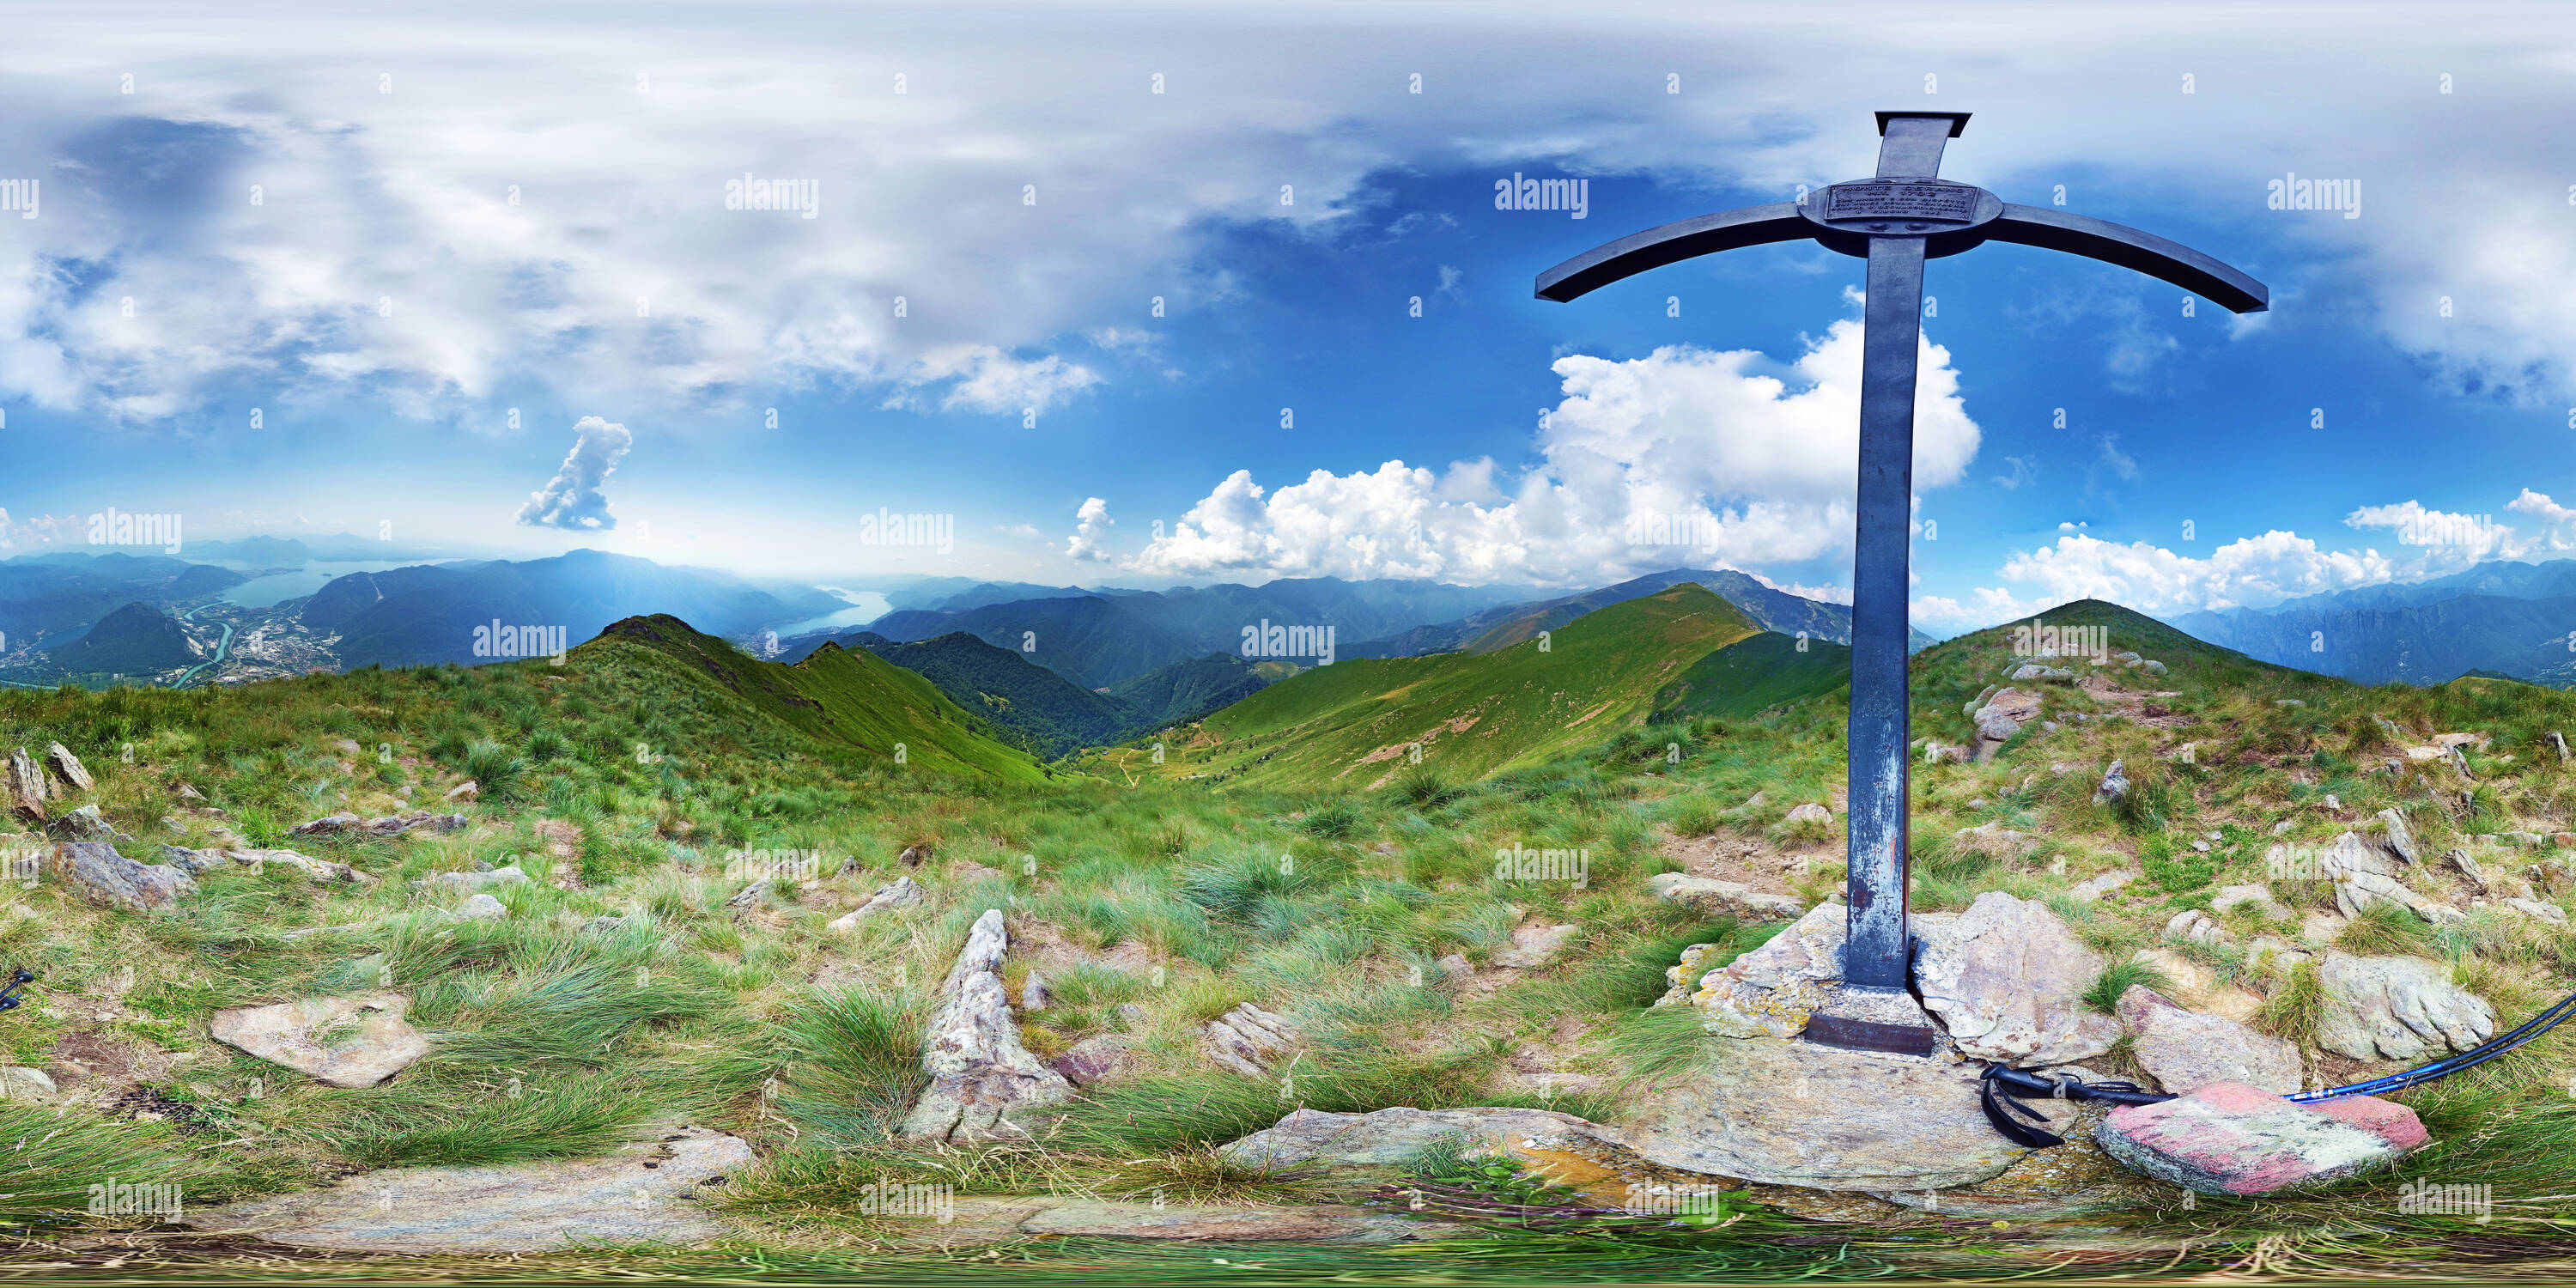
<point x="495" y="771"/>
<point x="2296" y="1007"/>
<point x="2384" y="929"/>
<point x="2116" y="979"/>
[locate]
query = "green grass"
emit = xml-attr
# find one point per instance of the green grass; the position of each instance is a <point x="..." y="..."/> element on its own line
<point x="2117" y="978"/>
<point x="1752" y="674"/>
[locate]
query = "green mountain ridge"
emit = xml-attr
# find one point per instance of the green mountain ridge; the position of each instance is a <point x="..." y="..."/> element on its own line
<point x="1356" y="723"/>
<point x="847" y="698"/>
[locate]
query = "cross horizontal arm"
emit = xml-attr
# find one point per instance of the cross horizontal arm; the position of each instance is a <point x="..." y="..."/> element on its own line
<point x="2129" y="248"/>
<point x="1656" y="247"/>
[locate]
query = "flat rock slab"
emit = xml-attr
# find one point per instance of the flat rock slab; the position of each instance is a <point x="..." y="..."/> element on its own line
<point x="640" y="1194"/>
<point x="977" y="1220"/>
<point x="354" y="1041"/>
<point x="1392" y="1137"/>
<point x="1712" y="897"/>
<point x="2229" y="1138"/>
<point x="1795" y="1113"/>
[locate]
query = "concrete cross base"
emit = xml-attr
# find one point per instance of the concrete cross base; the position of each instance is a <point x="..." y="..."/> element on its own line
<point x="1858" y="1017"/>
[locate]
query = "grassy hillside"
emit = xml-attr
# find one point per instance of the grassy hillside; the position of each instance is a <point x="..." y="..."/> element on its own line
<point x="1352" y="724"/>
<point x="1751" y="675"/>
<point x="846" y="699"/>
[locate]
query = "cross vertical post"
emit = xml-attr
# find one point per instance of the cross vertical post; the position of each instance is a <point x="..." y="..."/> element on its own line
<point x="1896" y="220"/>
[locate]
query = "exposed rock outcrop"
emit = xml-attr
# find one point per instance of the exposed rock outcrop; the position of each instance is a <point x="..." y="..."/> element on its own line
<point x="1249" y="1040"/>
<point x="2006" y="978"/>
<point x="2397" y="1008"/>
<point x="902" y="892"/>
<point x="2184" y="1051"/>
<point x="95" y="872"/>
<point x="980" y="1073"/>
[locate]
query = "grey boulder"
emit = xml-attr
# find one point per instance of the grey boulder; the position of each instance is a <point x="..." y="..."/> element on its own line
<point x="95" y="872"/>
<point x="2397" y="1008"/>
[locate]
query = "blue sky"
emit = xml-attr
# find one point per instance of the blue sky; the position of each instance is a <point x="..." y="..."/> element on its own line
<point x="387" y="231"/>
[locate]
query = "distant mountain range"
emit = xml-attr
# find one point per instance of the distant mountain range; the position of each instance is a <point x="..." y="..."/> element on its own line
<point x="428" y="614"/>
<point x="65" y="591"/>
<point x="2509" y="619"/>
<point x="1100" y="638"/>
<point x="295" y="552"/>
<point x="1097" y="639"/>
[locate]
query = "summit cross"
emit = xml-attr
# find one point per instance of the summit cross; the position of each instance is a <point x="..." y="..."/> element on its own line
<point x="1896" y="220"/>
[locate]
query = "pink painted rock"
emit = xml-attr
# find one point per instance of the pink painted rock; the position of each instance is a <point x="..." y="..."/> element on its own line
<point x="2230" y="1138"/>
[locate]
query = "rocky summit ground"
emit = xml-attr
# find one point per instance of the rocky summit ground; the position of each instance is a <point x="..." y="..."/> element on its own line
<point x="658" y="959"/>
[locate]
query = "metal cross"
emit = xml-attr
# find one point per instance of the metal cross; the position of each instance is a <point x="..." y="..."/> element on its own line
<point x="1895" y="221"/>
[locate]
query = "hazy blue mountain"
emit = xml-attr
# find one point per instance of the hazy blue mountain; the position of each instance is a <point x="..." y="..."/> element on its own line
<point x="290" y="552"/>
<point x="1099" y="638"/>
<point x="46" y="595"/>
<point x="1090" y="640"/>
<point x="136" y="639"/>
<point x="425" y="615"/>
<point x="2419" y="643"/>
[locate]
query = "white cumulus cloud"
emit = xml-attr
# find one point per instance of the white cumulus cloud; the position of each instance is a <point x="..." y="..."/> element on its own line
<point x="573" y="497"/>
<point x="1090" y="529"/>
<point x="1685" y="457"/>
